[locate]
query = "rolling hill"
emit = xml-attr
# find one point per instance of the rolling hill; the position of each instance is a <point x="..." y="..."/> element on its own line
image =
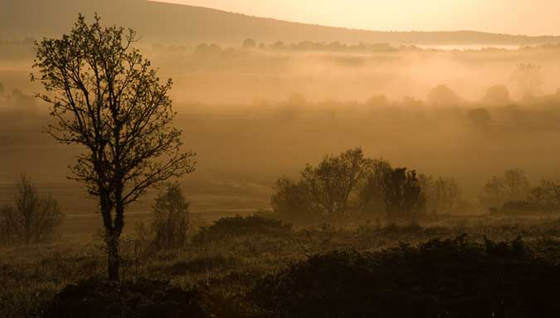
<point x="172" y="22"/>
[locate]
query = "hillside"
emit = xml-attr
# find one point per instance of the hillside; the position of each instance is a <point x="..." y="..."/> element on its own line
<point x="171" y="22"/>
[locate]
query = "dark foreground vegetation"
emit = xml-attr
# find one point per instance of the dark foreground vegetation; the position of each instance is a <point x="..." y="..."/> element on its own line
<point x="439" y="278"/>
<point x="258" y="267"/>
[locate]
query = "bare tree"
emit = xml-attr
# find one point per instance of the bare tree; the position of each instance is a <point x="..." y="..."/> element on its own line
<point x="33" y="219"/>
<point x="105" y="96"/>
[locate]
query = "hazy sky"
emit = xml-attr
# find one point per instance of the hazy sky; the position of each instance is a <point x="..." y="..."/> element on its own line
<point x="501" y="16"/>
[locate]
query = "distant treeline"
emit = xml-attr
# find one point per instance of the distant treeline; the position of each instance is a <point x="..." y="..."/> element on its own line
<point x="345" y="47"/>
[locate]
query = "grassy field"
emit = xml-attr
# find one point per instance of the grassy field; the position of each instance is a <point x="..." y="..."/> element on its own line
<point x="225" y="268"/>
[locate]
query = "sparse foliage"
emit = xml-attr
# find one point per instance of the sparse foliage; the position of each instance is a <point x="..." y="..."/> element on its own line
<point x="331" y="183"/>
<point x="105" y="96"/>
<point x="170" y="218"/>
<point x="442" y="194"/>
<point x="324" y="190"/>
<point x="292" y="202"/>
<point x="33" y="219"/>
<point x="513" y="186"/>
<point x="527" y="79"/>
<point x="546" y="196"/>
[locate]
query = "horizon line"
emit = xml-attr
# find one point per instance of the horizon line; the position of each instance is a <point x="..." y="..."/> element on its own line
<point x="176" y="2"/>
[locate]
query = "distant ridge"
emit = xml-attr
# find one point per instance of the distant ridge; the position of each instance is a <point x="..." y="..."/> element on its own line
<point x="174" y="22"/>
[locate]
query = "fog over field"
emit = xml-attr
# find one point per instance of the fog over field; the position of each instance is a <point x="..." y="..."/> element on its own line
<point x="285" y="163"/>
<point x="255" y="114"/>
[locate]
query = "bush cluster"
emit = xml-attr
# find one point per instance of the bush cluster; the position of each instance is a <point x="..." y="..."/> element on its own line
<point x="229" y="227"/>
<point x="440" y="278"/>
<point x="144" y="298"/>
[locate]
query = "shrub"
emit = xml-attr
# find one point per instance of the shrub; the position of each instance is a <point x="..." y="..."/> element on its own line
<point x="440" y="278"/>
<point x="292" y="202"/>
<point x="402" y="194"/>
<point x="324" y="190"/>
<point x="144" y="298"/>
<point x="519" y="207"/>
<point x="201" y="265"/>
<point x="229" y="227"/>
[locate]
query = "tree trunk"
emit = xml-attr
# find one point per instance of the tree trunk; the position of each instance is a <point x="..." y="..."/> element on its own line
<point x="113" y="260"/>
<point x="112" y="236"/>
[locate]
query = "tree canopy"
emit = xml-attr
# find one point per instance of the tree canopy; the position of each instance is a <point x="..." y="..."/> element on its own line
<point x="105" y="96"/>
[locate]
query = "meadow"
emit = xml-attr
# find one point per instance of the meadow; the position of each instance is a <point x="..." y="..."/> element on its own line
<point x="224" y="266"/>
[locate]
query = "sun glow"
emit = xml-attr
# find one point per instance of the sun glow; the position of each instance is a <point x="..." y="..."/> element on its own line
<point x="533" y="17"/>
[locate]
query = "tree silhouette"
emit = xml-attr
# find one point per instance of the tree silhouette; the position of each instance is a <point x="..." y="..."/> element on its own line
<point x="328" y="189"/>
<point x="171" y="218"/>
<point x="33" y="219"/>
<point x="441" y="194"/>
<point x="402" y="193"/>
<point x="513" y="186"/>
<point x="333" y="180"/>
<point x="371" y="191"/>
<point x="105" y="96"/>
